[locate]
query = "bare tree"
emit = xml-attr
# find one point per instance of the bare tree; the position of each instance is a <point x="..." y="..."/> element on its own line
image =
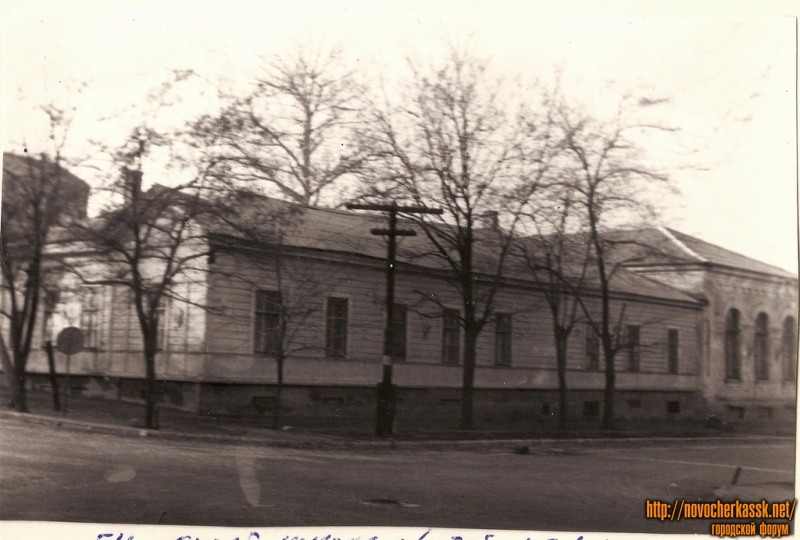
<point x="289" y="286"/>
<point x="451" y="142"/>
<point x="299" y="293"/>
<point x="39" y="194"/>
<point x="547" y="250"/>
<point x="150" y="242"/>
<point x="295" y="133"/>
<point x="613" y="184"/>
<point x="556" y="260"/>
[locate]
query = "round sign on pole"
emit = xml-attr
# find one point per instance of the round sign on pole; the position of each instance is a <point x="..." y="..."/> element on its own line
<point x="70" y="341"/>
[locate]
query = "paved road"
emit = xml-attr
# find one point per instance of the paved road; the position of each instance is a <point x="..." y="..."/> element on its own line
<point x="53" y="474"/>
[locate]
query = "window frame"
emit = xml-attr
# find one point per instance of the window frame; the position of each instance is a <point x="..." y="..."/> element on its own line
<point x="162" y="342"/>
<point x="330" y="352"/>
<point x="50" y="302"/>
<point x="634" y="347"/>
<point x="733" y="345"/>
<point x="261" y="312"/>
<point x="447" y="347"/>
<point x="91" y="318"/>
<point x="591" y="349"/>
<point x="397" y="324"/>
<point x="673" y="360"/>
<point x="503" y="340"/>
<point x="789" y="348"/>
<point x="761" y="347"/>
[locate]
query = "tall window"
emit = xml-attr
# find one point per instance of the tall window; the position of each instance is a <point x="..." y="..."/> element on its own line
<point x="592" y="349"/>
<point x="450" y="336"/>
<point x="732" y="348"/>
<point x="634" y="349"/>
<point x="267" y="324"/>
<point x="790" y="349"/>
<point x="399" y="318"/>
<point x="161" y="337"/>
<point x="672" y="351"/>
<point x="90" y="318"/>
<point x="502" y="339"/>
<point x="50" y="302"/>
<point x="761" y="347"/>
<point x="336" y="328"/>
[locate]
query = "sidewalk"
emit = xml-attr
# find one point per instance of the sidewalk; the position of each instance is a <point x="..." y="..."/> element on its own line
<point x="127" y="419"/>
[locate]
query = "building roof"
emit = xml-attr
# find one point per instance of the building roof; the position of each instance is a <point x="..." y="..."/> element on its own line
<point x="668" y="246"/>
<point x="302" y="227"/>
<point x="349" y="232"/>
<point x="73" y="193"/>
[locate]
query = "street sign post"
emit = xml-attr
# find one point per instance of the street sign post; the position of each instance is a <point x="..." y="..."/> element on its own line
<point x="384" y="424"/>
<point x="69" y="342"/>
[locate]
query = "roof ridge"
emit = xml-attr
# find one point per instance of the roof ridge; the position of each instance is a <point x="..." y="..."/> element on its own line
<point x="766" y="268"/>
<point x="666" y="232"/>
<point x="316" y="208"/>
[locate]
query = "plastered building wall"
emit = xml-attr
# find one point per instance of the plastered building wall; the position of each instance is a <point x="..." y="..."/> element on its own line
<point x="750" y="293"/>
<point x="115" y="354"/>
<point x="235" y="280"/>
<point x="208" y="361"/>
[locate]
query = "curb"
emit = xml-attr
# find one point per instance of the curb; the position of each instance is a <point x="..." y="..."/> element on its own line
<point x="306" y="441"/>
<point x="128" y="431"/>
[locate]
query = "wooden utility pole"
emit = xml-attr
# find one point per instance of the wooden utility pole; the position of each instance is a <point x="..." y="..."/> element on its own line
<point x="384" y="423"/>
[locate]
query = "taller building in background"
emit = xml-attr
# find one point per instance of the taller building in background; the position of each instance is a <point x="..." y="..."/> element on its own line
<point x="73" y="194"/>
<point x="748" y="365"/>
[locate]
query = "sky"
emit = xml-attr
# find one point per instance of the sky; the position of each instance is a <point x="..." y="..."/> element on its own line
<point x="731" y="81"/>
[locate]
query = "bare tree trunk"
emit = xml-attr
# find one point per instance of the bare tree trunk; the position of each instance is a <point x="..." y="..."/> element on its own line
<point x="151" y="389"/>
<point x="467" y="390"/>
<point x="276" y="415"/>
<point x="20" y="398"/>
<point x="8" y="370"/>
<point x="18" y="370"/>
<point x="609" y="352"/>
<point x="608" y="402"/>
<point x="51" y="364"/>
<point x="561" y="366"/>
<point x="609" y="348"/>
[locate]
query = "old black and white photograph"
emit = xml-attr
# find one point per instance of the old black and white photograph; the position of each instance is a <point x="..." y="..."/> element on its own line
<point x="425" y="265"/>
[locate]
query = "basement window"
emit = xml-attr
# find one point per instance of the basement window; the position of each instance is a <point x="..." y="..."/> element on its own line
<point x="673" y="407"/>
<point x="736" y="412"/>
<point x="591" y="409"/>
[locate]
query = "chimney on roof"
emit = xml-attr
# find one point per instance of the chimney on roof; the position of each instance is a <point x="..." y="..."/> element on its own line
<point x="132" y="185"/>
<point x="492" y="218"/>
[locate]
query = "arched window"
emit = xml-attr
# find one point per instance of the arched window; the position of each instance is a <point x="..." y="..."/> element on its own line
<point x="789" y="349"/>
<point x="761" y="347"/>
<point x="732" y="345"/>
